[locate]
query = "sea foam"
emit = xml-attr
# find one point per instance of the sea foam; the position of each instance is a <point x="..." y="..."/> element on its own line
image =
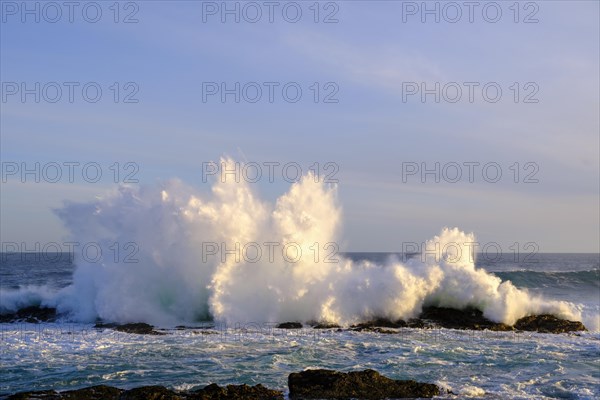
<point x="222" y="257"/>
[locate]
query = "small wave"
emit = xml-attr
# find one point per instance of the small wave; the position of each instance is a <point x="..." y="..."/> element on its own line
<point x="12" y="300"/>
<point x="537" y="279"/>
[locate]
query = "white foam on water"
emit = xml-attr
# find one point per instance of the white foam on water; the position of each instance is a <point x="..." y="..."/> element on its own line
<point x="175" y="279"/>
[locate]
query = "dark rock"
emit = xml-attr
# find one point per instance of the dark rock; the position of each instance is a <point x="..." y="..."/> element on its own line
<point x="139" y="327"/>
<point x="33" y="314"/>
<point x="42" y="394"/>
<point x="367" y="384"/>
<point x="235" y="392"/>
<point x="325" y="325"/>
<point x="290" y="325"/>
<point x="102" y="392"/>
<point x="101" y="325"/>
<point x="151" y="393"/>
<point x="469" y="318"/>
<point x="383" y="330"/>
<point x="546" y="323"/>
<point x="378" y="323"/>
<point x="416" y="323"/>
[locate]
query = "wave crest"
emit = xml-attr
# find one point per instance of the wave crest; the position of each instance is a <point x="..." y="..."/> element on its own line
<point x="175" y="281"/>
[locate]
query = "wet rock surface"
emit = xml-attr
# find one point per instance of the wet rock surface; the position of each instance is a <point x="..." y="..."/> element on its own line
<point x="471" y="319"/>
<point x="102" y="392"/>
<point x="326" y="325"/>
<point x="290" y="325"/>
<point x="430" y="317"/>
<point x="139" y="328"/>
<point x="548" y="324"/>
<point x="257" y="392"/>
<point x="33" y="314"/>
<point x="99" y="392"/>
<point x="367" y="384"/>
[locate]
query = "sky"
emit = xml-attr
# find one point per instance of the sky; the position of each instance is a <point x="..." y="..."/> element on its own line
<point x="388" y="89"/>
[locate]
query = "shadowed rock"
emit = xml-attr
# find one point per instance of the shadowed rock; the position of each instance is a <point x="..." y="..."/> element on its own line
<point x="139" y="327"/>
<point x="236" y="392"/>
<point x="33" y="314"/>
<point x="42" y="394"/>
<point x="102" y="392"/>
<point x="469" y="318"/>
<point x="325" y="325"/>
<point x="290" y="325"/>
<point x="546" y="323"/>
<point x="378" y="323"/>
<point x="151" y="393"/>
<point x="367" y="384"/>
<point x="473" y="319"/>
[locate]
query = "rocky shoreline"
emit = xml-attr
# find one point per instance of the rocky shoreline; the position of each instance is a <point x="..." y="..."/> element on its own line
<point x="308" y="384"/>
<point x="431" y="317"/>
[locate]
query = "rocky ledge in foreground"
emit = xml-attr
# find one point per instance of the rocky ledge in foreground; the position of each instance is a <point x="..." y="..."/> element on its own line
<point x="472" y="319"/>
<point x="309" y="384"/>
<point x="102" y="392"/>
<point x="367" y="384"/>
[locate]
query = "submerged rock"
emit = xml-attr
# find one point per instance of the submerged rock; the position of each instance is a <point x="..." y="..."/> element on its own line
<point x="546" y="323"/>
<point x="367" y="384"/>
<point x="32" y="314"/>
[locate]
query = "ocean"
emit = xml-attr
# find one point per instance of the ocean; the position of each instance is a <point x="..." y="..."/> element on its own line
<point x="71" y="353"/>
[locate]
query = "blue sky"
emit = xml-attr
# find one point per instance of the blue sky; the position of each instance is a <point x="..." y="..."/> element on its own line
<point x="370" y="55"/>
